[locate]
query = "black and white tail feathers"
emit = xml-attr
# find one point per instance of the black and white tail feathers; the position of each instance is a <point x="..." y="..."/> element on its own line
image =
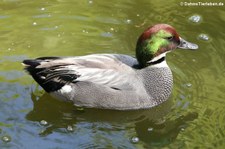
<point x="49" y="77"/>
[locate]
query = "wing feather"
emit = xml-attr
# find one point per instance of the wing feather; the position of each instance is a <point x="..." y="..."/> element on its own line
<point x="114" y="71"/>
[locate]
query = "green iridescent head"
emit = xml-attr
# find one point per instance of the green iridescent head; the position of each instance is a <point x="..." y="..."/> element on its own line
<point x="157" y="40"/>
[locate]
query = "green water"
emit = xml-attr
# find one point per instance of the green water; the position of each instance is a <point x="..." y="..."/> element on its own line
<point x="194" y="116"/>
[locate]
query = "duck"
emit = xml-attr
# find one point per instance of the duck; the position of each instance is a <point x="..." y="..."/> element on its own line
<point x="113" y="81"/>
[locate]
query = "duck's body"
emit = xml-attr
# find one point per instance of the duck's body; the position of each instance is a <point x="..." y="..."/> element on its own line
<point x="109" y="81"/>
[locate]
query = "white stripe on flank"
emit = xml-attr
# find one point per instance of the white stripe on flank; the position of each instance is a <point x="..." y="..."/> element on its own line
<point x="66" y="89"/>
<point x="63" y="93"/>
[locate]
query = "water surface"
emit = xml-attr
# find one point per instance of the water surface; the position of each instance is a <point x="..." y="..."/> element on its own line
<point x="193" y="117"/>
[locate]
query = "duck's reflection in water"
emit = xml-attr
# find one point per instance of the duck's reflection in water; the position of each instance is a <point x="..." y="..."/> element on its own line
<point x="150" y="125"/>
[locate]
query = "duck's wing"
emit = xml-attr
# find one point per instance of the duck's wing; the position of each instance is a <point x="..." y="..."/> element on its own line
<point x="112" y="70"/>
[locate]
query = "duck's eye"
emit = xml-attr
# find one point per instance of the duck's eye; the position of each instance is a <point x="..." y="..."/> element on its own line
<point x="170" y="38"/>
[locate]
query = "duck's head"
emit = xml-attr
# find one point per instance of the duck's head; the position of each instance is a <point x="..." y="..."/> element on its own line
<point x="156" y="41"/>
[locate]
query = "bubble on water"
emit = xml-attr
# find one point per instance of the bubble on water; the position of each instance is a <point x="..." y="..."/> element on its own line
<point x="150" y="129"/>
<point x="188" y="84"/>
<point x="34" y="23"/>
<point x="70" y="128"/>
<point x="182" y="129"/>
<point x="6" y="138"/>
<point x="106" y="34"/>
<point x="203" y="37"/>
<point x="195" y="18"/>
<point x="85" y="31"/>
<point x="134" y="139"/>
<point x="128" y="21"/>
<point x="43" y="122"/>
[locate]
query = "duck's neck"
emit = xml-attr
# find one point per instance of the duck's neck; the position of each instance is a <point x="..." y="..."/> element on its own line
<point x="159" y="64"/>
<point x="158" y="81"/>
<point x="158" y="61"/>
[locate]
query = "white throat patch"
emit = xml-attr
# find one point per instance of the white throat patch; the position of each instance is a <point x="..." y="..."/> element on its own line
<point x="158" y="57"/>
<point x="161" y="64"/>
